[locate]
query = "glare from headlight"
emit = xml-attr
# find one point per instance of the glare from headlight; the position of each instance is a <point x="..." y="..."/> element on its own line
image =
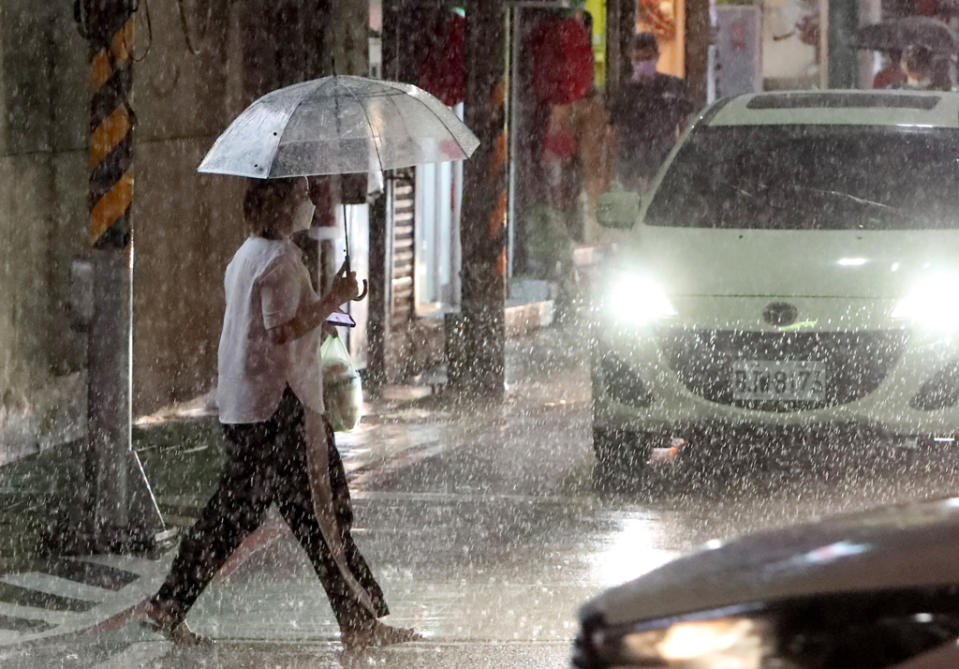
<point x="727" y="642"/>
<point x="933" y="304"/>
<point x="637" y="300"/>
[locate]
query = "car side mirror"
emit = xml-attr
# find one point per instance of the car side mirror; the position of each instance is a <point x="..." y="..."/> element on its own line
<point x="618" y="209"/>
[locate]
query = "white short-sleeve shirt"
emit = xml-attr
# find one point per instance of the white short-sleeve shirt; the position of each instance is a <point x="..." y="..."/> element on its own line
<point x="266" y="283"/>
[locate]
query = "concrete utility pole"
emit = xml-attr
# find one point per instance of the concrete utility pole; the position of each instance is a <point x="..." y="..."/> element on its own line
<point x="475" y="338"/>
<point x="842" y="60"/>
<point x="116" y="507"/>
<point x="698" y="38"/>
<point x="620" y="27"/>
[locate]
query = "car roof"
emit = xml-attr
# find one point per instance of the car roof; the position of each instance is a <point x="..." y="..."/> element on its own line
<point x="935" y="109"/>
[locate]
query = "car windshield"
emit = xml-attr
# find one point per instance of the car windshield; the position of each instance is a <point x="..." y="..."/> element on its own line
<point x="812" y="177"/>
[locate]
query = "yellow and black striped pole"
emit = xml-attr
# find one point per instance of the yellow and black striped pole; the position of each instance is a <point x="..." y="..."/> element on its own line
<point x="111" y="35"/>
<point x="114" y="506"/>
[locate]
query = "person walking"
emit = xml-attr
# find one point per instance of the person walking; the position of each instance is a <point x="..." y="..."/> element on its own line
<point x="278" y="448"/>
<point x="646" y="115"/>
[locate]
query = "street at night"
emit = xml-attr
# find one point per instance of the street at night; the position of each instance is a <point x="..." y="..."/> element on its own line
<point x="488" y="530"/>
<point x="480" y="334"/>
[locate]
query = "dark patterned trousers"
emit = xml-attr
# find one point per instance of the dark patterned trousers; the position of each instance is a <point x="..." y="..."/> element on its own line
<point x="266" y="464"/>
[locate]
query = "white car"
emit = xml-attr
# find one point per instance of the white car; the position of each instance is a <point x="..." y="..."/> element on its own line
<point x="795" y="263"/>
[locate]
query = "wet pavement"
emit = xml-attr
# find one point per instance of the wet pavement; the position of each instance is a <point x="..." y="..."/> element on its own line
<point x="487" y="528"/>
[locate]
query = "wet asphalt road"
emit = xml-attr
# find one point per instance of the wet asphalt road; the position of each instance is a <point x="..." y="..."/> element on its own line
<point x="489" y="542"/>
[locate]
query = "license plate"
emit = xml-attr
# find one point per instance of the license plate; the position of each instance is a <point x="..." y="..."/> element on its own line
<point x="783" y="381"/>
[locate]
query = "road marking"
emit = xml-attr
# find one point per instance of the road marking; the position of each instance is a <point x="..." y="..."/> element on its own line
<point x="136" y="565"/>
<point x="136" y="655"/>
<point x="101" y="576"/>
<point x="34" y="613"/>
<point x="477" y="496"/>
<point x="55" y="585"/>
<point x="17" y="594"/>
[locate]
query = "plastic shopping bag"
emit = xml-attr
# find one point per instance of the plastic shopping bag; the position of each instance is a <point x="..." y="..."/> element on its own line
<point x="342" y="388"/>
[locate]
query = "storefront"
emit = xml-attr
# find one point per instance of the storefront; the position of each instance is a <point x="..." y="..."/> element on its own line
<point x="667" y="20"/>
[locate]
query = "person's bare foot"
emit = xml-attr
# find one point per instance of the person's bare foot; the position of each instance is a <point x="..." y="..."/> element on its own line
<point x="376" y="636"/>
<point x="164" y="622"/>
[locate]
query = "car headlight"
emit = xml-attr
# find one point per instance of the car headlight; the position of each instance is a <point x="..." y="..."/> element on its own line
<point x="739" y="642"/>
<point x="933" y="303"/>
<point x="633" y="299"/>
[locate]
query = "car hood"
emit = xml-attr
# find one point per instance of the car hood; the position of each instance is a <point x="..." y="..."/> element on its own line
<point x="894" y="547"/>
<point x="791" y="263"/>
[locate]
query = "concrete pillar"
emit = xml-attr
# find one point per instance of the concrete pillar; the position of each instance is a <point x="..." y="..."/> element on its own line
<point x="698" y="37"/>
<point x="620" y="28"/>
<point x="842" y="60"/>
<point x="475" y="338"/>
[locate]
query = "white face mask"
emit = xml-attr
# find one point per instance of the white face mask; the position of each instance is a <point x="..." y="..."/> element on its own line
<point x="303" y="215"/>
<point x="644" y="68"/>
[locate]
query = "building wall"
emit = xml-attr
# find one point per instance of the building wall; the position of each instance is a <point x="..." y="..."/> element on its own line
<point x="189" y="83"/>
<point x="42" y="157"/>
<point x="186" y="226"/>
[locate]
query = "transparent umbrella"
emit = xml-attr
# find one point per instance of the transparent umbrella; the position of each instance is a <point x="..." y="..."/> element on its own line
<point x="339" y="125"/>
<point x="900" y="34"/>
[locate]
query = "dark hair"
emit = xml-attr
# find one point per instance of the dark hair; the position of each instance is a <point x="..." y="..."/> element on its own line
<point x="263" y="198"/>
<point x="588" y="22"/>
<point x="918" y="58"/>
<point x="645" y="42"/>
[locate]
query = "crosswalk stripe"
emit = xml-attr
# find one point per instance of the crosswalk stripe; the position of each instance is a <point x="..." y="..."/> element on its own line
<point x="24" y="625"/>
<point x="34" y="613"/>
<point x="136" y="655"/>
<point x="55" y="585"/>
<point x="127" y="562"/>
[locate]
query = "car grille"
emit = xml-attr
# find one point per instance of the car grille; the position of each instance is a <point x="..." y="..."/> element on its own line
<point x="856" y="362"/>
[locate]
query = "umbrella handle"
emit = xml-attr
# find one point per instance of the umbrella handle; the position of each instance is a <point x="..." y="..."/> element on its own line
<point x="366" y="288"/>
<point x="345" y="267"/>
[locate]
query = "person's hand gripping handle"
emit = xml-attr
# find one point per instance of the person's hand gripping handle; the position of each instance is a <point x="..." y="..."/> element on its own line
<point x="345" y="286"/>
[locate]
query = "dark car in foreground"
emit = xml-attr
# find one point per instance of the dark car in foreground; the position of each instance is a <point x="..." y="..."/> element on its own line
<point x="873" y="589"/>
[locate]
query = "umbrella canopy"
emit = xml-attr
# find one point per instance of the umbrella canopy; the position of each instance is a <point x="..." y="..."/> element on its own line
<point x="899" y="34"/>
<point x="339" y="125"/>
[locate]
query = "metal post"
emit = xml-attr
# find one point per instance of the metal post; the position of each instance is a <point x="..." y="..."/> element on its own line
<point x="120" y="510"/>
<point x="475" y="338"/>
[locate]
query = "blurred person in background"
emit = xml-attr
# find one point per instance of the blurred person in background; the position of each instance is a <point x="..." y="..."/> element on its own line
<point x="891" y="73"/>
<point x="646" y="115"/>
